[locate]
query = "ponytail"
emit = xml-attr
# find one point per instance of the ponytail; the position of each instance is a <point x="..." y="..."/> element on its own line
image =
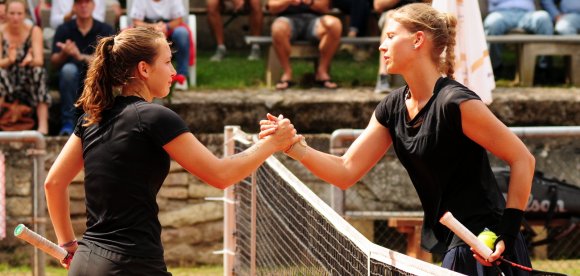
<point x="97" y="93"/>
<point x="451" y="23"/>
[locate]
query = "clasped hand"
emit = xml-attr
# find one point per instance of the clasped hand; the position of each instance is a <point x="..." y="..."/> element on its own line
<point x="279" y="127"/>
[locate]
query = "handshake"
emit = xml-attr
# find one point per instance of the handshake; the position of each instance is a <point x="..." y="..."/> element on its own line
<point x="278" y="128"/>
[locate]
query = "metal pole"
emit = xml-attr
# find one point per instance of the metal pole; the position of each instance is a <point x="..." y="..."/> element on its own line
<point x="229" y="207"/>
<point x="38" y="202"/>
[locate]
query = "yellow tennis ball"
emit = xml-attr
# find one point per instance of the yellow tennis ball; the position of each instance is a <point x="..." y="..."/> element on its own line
<point x="488" y="238"/>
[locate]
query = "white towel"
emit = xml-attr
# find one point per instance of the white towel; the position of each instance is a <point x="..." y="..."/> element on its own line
<point x="472" y="63"/>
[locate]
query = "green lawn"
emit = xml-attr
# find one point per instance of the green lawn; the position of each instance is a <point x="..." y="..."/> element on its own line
<point x="235" y="71"/>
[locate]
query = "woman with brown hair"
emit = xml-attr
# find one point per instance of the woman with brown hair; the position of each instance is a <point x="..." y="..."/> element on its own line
<point x="441" y="132"/>
<point x="124" y="143"/>
<point x="22" y="75"/>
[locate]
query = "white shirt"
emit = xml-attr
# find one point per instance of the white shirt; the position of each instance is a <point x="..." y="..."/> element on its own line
<point x="59" y="8"/>
<point x="156" y="11"/>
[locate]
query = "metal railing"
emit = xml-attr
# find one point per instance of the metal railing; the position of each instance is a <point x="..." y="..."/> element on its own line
<point x="38" y="201"/>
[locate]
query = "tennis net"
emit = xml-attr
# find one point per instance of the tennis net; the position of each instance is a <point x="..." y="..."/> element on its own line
<point x="282" y="228"/>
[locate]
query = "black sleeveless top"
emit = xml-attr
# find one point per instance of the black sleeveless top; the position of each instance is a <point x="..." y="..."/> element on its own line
<point x="449" y="171"/>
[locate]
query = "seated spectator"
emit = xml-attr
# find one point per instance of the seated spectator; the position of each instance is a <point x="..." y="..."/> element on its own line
<point x="302" y="20"/>
<point x="22" y="75"/>
<point x="384" y="7"/>
<point x="358" y="12"/>
<point x="62" y="11"/>
<point x="214" y="10"/>
<point x="167" y="17"/>
<point x="72" y="49"/>
<point x="566" y="16"/>
<point x="505" y="15"/>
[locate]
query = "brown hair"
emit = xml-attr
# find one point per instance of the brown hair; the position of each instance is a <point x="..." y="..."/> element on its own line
<point x="439" y="26"/>
<point x="114" y="63"/>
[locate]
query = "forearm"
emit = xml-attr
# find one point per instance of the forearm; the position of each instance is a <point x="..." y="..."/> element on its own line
<point x="330" y="168"/>
<point x="59" y="211"/>
<point x="320" y="6"/>
<point x="58" y="59"/>
<point x="231" y="169"/>
<point x="520" y="184"/>
<point x="277" y="6"/>
<point x="5" y="62"/>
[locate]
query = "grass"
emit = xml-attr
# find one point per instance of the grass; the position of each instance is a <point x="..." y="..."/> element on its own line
<point x="6" y="270"/>
<point x="235" y="71"/>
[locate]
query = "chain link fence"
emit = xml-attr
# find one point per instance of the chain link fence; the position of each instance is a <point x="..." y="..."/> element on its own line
<point x="387" y="197"/>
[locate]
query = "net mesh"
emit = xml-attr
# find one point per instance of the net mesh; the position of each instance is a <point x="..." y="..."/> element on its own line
<point x="296" y="233"/>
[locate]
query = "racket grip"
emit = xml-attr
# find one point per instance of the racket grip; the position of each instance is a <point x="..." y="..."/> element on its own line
<point x="22" y="232"/>
<point x="462" y="232"/>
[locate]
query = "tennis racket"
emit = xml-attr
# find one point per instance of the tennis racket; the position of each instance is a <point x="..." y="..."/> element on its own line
<point x="462" y="232"/>
<point x="22" y="232"/>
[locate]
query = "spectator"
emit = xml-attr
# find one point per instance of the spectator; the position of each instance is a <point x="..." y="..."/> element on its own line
<point x="302" y="19"/>
<point x="384" y="7"/>
<point x="566" y="16"/>
<point x="214" y="9"/>
<point x="62" y="11"/>
<point x="167" y="17"/>
<point x="22" y="75"/>
<point x="74" y="43"/>
<point x="505" y="15"/>
<point x="358" y="11"/>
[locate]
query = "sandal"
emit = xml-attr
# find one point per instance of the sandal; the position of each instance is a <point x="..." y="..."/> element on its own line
<point x="284" y="84"/>
<point x="326" y="84"/>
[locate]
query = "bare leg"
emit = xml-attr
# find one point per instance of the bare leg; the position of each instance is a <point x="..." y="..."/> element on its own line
<point x="328" y="30"/>
<point x="256" y="17"/>
<point x="281" y="33"/>
<point x="42" y="114"/>
<point x="214" y="19"/>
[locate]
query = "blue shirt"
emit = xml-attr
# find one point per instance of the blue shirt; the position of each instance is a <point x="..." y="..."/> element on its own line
<point x="566" y="6"/>
<point x="85" y="43"/>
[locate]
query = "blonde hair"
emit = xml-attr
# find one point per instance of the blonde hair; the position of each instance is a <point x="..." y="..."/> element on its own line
<point x="114" y="63"/>
<point x="440" y="27"/>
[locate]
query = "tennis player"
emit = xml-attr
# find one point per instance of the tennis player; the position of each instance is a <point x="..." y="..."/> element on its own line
<point x="124" y="144"/>
<point x="440" y="131"/>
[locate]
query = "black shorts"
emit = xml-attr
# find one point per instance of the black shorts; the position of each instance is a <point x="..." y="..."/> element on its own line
<point x="90" y="259"/>
<point x="460" y="259"/>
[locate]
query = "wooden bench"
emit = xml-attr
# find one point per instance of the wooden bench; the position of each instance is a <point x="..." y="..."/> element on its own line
<point x="530" y="46"/>
<point x="300" y="49"/>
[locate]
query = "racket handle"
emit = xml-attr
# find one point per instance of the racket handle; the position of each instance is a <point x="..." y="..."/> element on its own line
<point x="462" y="232"/>
<point x="22" y="232"/>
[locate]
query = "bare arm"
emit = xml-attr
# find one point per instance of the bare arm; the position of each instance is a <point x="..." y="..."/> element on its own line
<point x="277" y="6"/>
<point x="383" y="5"/>
<point x="37" y="51"/>
<point x="481" y="126"/>
<point x="221" y="173"/>
<point x="346" y="170"/>
<point x="320" y="6"/>
<point x="66" y="166"/>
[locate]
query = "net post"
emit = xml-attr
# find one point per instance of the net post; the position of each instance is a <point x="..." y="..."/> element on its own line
<point x="253" y="222"/>
<point x="229" y="209"/>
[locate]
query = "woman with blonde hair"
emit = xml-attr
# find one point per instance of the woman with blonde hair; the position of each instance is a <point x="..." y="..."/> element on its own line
<point x="124" y="143"/>
<point x="22" y="75"/>
<point x="441" y="132"/>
